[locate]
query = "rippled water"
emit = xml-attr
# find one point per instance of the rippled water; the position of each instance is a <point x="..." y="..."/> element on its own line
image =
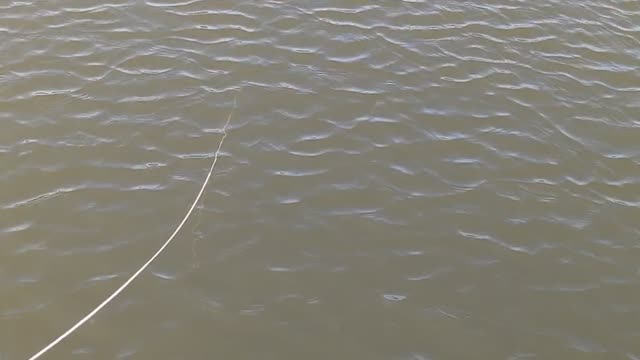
<point x="401" y="179"/>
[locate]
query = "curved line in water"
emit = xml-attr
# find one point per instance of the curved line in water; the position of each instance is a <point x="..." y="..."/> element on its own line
<point x="153" y="257"/>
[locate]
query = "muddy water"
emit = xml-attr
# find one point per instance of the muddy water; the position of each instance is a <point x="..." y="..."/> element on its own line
<point x="400" y="180"/>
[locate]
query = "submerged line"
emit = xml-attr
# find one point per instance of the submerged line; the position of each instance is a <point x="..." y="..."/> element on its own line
<point x="158" y="252"/>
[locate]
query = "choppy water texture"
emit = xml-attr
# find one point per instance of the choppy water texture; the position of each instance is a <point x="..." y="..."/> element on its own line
<point x="435" y="180"/>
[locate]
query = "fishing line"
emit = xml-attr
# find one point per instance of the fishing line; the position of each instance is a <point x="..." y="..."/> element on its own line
<point x="158" y="252"/>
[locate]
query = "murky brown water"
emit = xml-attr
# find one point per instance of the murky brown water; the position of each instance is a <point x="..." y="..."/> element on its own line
<point x="401" y="179"/>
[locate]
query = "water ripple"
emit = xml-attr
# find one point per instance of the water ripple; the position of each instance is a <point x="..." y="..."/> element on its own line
<point x="388" y="157"/>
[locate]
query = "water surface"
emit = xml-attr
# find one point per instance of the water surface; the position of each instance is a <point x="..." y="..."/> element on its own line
<point x="401" y="179"/>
